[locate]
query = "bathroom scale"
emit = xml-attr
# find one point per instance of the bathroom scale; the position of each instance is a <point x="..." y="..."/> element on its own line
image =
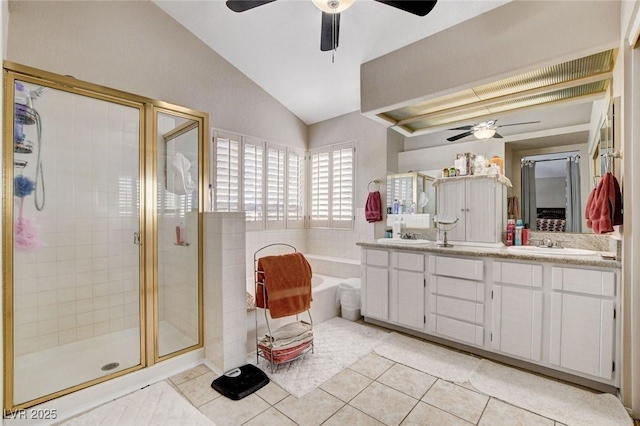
<point x="240" y="382"/>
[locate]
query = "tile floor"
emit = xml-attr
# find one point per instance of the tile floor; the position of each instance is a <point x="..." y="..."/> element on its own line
<point x="373" y="391"/>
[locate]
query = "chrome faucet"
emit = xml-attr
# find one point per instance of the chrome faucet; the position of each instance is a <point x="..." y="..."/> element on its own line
<point x="548" y="243"/>
<point x="409" y="236"/>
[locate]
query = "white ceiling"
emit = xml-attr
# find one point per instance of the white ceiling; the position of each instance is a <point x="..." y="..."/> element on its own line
<point x="277" y="45"/>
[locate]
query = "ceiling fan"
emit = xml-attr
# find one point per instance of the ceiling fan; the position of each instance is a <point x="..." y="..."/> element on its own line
<point x="331" y="10"/>
<point x="483" y="130"/>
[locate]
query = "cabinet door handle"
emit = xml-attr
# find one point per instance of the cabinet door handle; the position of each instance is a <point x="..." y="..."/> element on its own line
<point x="461" y="210"/>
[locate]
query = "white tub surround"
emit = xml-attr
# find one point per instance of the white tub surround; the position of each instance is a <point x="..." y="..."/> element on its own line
<point x="225" y="305"/>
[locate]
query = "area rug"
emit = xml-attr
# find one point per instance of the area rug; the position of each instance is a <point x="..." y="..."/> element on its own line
<point x="155" y="405"/>
<point x="428" y="357"/>
<point x="338" y="343"/>
<point x="561" y="402"/>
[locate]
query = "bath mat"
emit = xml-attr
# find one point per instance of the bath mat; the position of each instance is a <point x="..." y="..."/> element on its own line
<point x="561" y="402"/>
<point x="155" y="405"/>
<point x="429" y="358"/>
<point x="338" y="343"/>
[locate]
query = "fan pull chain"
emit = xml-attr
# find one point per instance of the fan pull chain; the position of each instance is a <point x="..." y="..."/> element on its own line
<point x="333" y="37"/>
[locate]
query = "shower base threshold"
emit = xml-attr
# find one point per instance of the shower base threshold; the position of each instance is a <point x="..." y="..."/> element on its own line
<point x="48" y="371"/>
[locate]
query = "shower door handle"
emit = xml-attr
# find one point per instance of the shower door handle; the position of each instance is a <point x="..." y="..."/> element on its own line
<point x="137" y="238"/>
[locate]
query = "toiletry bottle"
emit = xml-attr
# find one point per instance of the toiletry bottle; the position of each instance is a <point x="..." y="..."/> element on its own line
<point x="403" y="227"/>
<point x="510" y="231"/>
<point x="525" y="236"/>
<point x="396" y="228"/>
<point x="517" y="239"/>
<point x="396" y="206"/>
<point x="401" y="208"/>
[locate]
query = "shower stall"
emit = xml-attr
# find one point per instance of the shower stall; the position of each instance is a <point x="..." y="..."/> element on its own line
<point x="102" y="217"/>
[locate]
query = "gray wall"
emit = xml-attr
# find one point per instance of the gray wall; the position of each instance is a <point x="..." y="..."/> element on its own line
<point x="134" y="46"/>
<point x="551" y="192"/>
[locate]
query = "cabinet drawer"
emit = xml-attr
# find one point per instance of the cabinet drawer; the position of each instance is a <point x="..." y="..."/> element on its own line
<point x="599" y="283"/>
<point x="469" y="333"/>
<point x="409" y="261"/>
<point x="459" y="268"/>
<point x="517" y="273"/>
<point x="459" y="309"/>
<point x="376" y="257"/>
<point x="454" y="287"/>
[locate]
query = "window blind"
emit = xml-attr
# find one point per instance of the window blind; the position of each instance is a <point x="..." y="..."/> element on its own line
<point x="226" y="160"/>
<point x="275" y="185"/>
<point x="295" y="189"/>
<point x="252" y="180"/>
<point x="342" y="193"/>
<point x="319" y="194"/>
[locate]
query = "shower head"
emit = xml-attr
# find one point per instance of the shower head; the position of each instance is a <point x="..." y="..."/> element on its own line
<point x="38" y="92"/>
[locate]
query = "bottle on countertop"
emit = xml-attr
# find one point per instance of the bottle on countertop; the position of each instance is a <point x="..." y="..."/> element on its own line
<point x="403" y="226"/>
<point x="517" y="236"/>
<point x="401" y="209"/>
<point x="511" y="224"/>
<point x="525" y="235"/>
<point x="397" y="230"/>
<point x="396" y="206"/>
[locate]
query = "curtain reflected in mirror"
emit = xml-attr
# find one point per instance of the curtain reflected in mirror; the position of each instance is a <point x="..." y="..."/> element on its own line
<point x="178" y="233"/>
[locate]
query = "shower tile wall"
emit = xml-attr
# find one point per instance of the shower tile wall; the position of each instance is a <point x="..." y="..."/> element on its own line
<point x="83" y="280"/>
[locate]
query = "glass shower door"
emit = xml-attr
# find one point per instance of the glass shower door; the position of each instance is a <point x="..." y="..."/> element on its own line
<point x="76" y="263"/>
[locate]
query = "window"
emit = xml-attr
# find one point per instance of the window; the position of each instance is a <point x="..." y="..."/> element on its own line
<point x="271" y="192"/>
<point x="252" y="182"/>
<point x="275" y="186"/>
<point x="332" y="175"/>
<point x="295" y="188"/>
<point x="226" y="154"/>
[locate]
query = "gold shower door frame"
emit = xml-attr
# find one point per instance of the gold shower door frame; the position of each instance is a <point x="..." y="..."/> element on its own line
<point x="148" y="253"/>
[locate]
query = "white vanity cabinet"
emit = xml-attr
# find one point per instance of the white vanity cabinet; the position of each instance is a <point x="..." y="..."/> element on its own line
<point x="407" y="288"/>
<point x="456" y="302"/>
<point x="375" y="284"/>
<point x="478" y="203"/>
<point x="517" y="311"/>
<point x="583" y="321"/>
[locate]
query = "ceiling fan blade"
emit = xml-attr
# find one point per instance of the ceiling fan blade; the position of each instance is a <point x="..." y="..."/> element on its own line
<point x="244" y="5"/>
<point x="460" y="136"/>
<point x="462" y="128"/>
<point x="416" y="7"/>
<point x="327" y="39"/>
<point x="517" y="124"/>
<point x="498" y="135"/>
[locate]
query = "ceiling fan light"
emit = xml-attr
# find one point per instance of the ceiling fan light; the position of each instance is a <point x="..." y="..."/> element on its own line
<point x="333" y="6"/>
<point x="484" y="133"/>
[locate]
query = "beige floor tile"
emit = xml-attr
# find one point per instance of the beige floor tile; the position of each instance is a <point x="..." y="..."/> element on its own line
<point x="500" y="413"/>
<point x="311" y="409"/>
<point x="384" y="404"/>
<point x="346" y="384"/>
<point x="226" y="412"/>
<point x="407" y="380"/>
<point x="199" y="390"/>
<point x="271" y="417"/>
<point x="272" y="393"/>
<point x="372" y="366"/>
<point x="348" y="415"/>
<point x="456" y="400"/>
<point x="190" y="374"/>
<point x="426" y="415"/>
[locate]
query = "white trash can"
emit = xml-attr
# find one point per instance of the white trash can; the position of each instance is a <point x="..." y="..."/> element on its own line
<point x="348" y="296"/>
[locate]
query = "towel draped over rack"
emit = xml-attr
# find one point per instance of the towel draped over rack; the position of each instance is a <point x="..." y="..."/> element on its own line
<point x="287" y="281"/>
<point x="604" y="206"/>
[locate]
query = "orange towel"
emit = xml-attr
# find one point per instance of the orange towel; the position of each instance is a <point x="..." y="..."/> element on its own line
<point x="288" y="284"/>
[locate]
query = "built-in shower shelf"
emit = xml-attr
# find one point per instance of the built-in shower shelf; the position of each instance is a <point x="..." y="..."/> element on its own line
<point x="24" y="114"/>
<point x="24" y="147"/>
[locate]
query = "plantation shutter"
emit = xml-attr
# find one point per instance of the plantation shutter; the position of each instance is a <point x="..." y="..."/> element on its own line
<point x="342" y="174"/>
<point x="275" y="186"/>
<point x="252" y="182"/>
<point x="319" y="194"/>
<point x="226" y="160"/>
<point x="295" y="189"/>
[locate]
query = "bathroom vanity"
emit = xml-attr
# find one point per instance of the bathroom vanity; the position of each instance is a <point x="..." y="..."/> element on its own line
<point x="557" y="312"/>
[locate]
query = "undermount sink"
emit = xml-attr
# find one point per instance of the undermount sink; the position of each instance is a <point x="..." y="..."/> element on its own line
<point x="556" y="251"/>
<point x="402" y="242"/>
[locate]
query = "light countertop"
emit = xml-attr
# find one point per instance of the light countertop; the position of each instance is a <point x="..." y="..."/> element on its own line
<point x="500" y="253"/>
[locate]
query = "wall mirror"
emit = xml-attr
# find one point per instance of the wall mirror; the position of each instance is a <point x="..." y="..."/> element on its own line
<point x="179" y="144"/>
